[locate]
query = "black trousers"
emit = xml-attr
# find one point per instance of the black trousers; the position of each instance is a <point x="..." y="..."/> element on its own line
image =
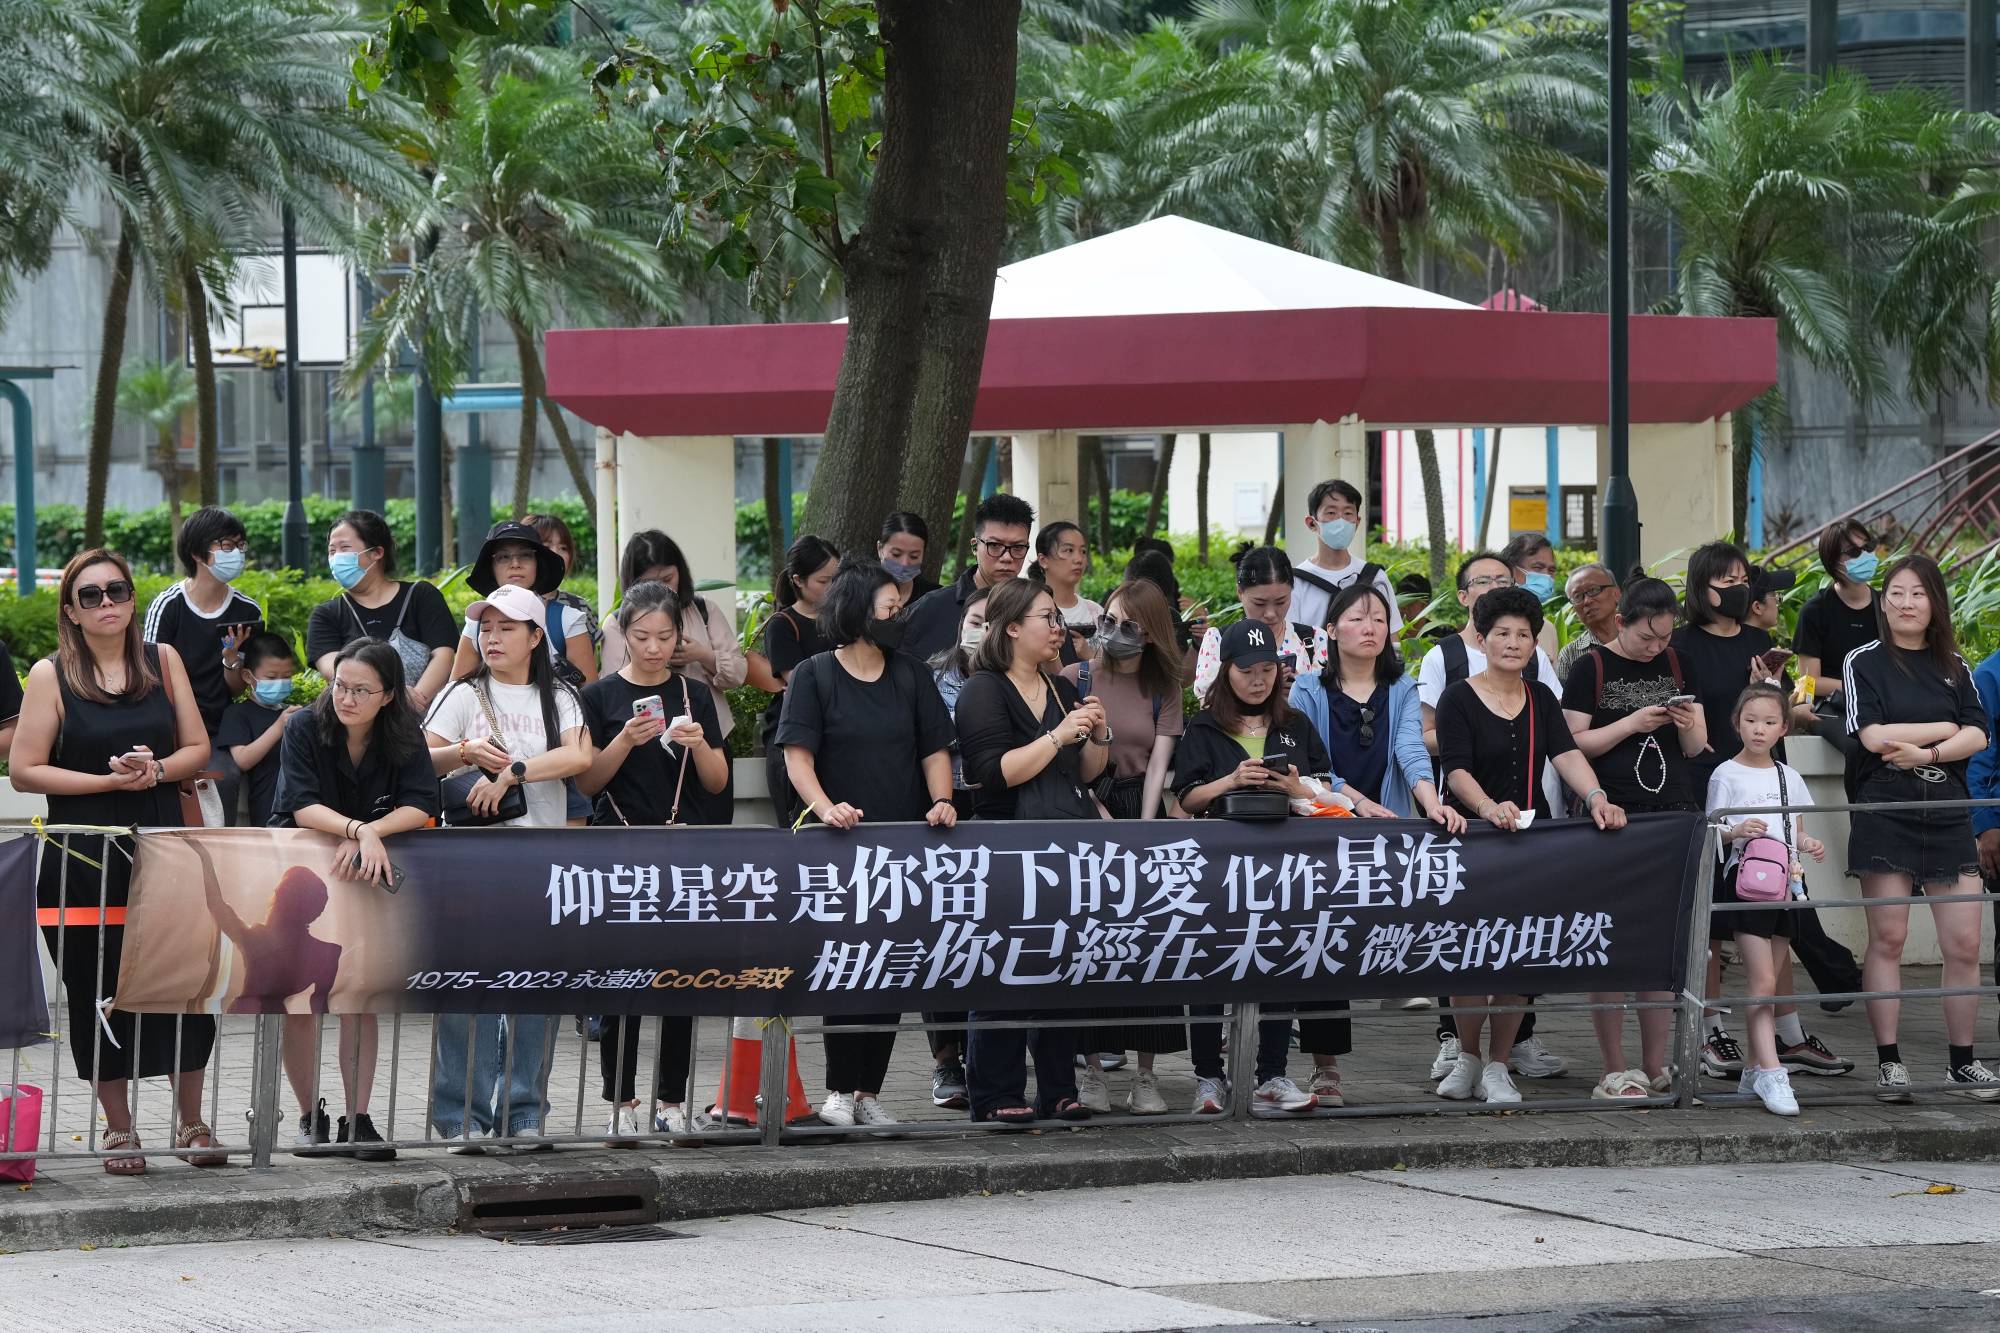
<point x="1317" y="1036"/>
<point x="858" y="1061"/>
<point x="618" y="1057"/>
<point x="996" y="1064"/>
<point x="947" y="1029"/>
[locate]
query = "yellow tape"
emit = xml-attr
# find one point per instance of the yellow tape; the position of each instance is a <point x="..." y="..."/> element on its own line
<point x="41" y="831"/>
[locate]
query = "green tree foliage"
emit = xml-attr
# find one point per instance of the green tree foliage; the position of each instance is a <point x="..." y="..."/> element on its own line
<point x="157" y="394"/>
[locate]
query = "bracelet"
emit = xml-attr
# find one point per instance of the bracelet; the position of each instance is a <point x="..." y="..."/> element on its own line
<point x="160" y="771"/>
<point x="1594" y="791"/>
<point x="943" y="800"/>
<point x="462" y="760"/>
<point x="1106" y="741"/>
<point x="1934" y="754"/>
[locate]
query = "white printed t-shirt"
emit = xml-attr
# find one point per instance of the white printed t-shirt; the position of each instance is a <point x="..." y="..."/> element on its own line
<point x="457" y="716"/>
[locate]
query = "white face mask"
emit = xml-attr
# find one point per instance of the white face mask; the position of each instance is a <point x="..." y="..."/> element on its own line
<point x="970" y="637"/>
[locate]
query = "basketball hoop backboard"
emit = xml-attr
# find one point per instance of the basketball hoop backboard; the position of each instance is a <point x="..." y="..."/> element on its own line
<point x="328" y="318"/>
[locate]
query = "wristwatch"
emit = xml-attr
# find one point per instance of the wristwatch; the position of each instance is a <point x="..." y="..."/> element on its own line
<point x="519" y="769"/>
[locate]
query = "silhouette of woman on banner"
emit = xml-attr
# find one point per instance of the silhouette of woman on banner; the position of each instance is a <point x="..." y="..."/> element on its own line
<point x="281" y="956"/>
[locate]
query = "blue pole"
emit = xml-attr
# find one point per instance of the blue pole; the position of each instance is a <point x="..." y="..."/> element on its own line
<point x="1474" y="540"/>
<point x="785" y="487"/>
<point x="24" y="485"/>
<point x="1753" y="510"/>
<point x="1555" y="494"/>
<point x="990" y="483"/>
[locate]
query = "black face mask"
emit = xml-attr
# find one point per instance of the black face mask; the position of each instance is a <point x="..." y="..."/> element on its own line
<point x="1733" y="603"/>
<point x="886" y="634"/>
<point x="1121" y="646"/>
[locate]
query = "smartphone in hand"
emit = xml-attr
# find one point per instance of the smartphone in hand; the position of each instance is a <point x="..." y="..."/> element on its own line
<point x="1774" y="659"/>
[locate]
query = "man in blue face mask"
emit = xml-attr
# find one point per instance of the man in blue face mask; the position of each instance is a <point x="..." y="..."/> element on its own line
<point x="1532" y="557"/>
<point x="1333" y="516"/>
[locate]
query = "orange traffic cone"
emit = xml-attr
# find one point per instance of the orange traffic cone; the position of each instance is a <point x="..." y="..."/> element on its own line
<point x="744" y="1072"/>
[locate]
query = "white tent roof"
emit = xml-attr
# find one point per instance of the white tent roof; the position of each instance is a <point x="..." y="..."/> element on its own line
<point x="1173" y="266"/>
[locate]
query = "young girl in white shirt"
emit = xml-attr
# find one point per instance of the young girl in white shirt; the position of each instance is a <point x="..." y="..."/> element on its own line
<point x="1763" y="939"/>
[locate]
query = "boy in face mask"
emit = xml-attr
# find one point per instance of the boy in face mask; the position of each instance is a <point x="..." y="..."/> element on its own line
<point x="250" y="729"/>
<point x="1333" y="516"/>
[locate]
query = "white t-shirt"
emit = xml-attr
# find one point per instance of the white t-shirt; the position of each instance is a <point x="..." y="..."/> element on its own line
<point x="568" y="617"/>
<point x="457" y="716"/>
<point x="1085" y="612"/>
<point x="1737" y="784"/>
<point x="1310" y="601"/>
<point x="1430" y="687"/>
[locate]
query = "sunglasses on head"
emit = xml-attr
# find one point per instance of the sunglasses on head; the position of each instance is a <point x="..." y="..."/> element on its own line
<point x="91" y="596"/>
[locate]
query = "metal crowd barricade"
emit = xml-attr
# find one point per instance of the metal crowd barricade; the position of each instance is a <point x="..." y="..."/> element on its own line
<point x="258" y="1045"/>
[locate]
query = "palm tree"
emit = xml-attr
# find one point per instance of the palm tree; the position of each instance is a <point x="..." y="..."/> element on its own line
<point x="539" y="209"/>
<point x="158" y="394"/>
<point x="189" y="117"/>
<point x="1849" y="216"/>
<point x="1371" y="131"/>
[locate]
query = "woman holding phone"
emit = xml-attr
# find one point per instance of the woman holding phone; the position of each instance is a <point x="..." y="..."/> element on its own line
<point x="353" y="765"/>
<point x="109" y="725"/>
<point x="656" y="746"/>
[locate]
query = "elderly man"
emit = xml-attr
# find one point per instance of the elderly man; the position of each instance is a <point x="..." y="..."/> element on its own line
<point x="1594" y="595"/>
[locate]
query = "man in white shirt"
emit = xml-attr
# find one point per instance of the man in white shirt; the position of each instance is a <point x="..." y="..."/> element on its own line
<point x="1333" y="516"/>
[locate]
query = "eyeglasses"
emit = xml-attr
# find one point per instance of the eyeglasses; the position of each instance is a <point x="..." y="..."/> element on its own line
<point x="1582" y="595"/>
<point x="519" y="555"/>
<point x="997" y="548"/>
<point x="91" y="595"/>
<point x="358" y="693"/>
<point x="1490" y="581"/>
<point x="1053" y="618"/>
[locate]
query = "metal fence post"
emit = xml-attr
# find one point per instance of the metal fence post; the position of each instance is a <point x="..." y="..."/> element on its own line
<point x="1243" y="1034"/>
<point x="266" y="1068"/>
<point x="1687" y="1078"/>
<point x="772" y="1099"/>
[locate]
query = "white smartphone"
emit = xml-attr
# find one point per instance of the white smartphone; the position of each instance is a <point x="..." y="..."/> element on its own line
<point x="1680" y="699"/>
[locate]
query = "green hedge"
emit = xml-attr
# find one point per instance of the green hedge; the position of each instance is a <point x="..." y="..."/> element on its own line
<point x="145" y="536"/>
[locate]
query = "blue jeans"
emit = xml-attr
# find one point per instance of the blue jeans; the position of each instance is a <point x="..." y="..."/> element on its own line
<point x="510" y="1072"/>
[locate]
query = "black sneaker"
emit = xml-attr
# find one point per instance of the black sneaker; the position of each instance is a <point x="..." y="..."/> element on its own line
<point x="948" y="1085"/>
<point x="1985" y="1084"/>
<point x="360" y="1132"/>
<point x="1721" y="1057"/>
<point x="314" y="1129"/>
<point x="1812" y="1056"/>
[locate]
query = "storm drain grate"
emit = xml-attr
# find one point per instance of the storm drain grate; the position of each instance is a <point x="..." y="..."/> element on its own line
<point x="586" y="1235"/>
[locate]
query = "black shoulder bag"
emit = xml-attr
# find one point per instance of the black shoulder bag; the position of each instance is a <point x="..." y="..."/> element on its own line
<point x="455" y="792"/>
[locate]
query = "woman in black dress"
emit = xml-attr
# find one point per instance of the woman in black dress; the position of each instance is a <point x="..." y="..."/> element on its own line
<point x="1911" y="704"/>
<point x="1030" y="747"/>
<point x="791" y="635"/>
<point x="109" y="728"/>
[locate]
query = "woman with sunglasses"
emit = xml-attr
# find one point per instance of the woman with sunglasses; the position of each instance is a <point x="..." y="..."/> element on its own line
<point x="109" y="727"/>
<point x="354" y="765"/>
<point x="1136" y="676"/>
<point x="1031" y="747"/>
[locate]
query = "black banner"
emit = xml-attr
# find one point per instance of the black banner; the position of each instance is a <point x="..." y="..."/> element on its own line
<point x="903" y="917"/>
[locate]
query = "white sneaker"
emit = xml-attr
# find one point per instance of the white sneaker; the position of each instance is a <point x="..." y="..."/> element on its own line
<point x="1092" y="1090"/>
<point x="837" y="1110"/>
<point x="1495" y="1086"/>
<point x="1145" y="1099"/>
<point x="1326" y="1086"/>
<point x="1463" y="1077"/>
<point x="1447" y="1056"/>
<point x="1280" y="1096"/>
<point x="1211" y="1097"/>
<point x="624" y="1122"/>
<point x="1531" y="1059"/>
<point x="1774" y="1088"/>
<point x="869" y="1111"/>
<point x="1410" y="1002"/>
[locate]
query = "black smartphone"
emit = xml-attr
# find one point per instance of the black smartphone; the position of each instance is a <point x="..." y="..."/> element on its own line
<point x="395" y="875"/>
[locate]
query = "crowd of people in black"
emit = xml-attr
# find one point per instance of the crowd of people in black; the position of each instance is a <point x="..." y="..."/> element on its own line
<point x="1008" y="695"/>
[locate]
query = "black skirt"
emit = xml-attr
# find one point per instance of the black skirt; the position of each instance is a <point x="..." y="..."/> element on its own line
<point x="1930" y="846"/>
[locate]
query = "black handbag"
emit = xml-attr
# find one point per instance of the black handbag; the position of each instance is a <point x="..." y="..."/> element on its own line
<point x="1253" y="806"/>
<point x="455" y="792"/>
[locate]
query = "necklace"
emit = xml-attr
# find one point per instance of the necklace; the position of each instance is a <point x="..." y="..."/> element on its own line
<point x="1638" y="763"/>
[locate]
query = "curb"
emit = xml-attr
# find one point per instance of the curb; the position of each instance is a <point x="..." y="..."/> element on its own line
<point x="172" y="1205"/>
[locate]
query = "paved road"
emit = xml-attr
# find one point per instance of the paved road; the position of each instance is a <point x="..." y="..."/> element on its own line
<point x="1815" y="1247"/>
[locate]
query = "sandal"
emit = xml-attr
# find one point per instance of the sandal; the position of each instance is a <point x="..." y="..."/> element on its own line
<point x="1069" y="1108"/>
<point x="122" y="1166"/>
<point x="1620" y="1084"/>
<point x="1011" y="1115"/>
<point x="186" y="1139"/>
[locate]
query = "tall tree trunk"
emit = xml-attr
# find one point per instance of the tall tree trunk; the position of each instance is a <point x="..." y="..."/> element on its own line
<point x="578" y="473"/>
<point x="1276" y="517"/>
<point x="1438" y="541"/>
<point x="531" y="391"/>
<point x="104" y="407"/>
<point x="1742" y="444"/>
<point x="207" y="465"/>
<point x="1100" y="481"/>
<point x="980" y="454"/>
<point x="919" y="273"/>
<point x="1158" y="501"/>
<point x="774" y="502"/>
<point x="1390" y="235"/>
<point x="1201" y="496"/>
<point x="167" y="454"/>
